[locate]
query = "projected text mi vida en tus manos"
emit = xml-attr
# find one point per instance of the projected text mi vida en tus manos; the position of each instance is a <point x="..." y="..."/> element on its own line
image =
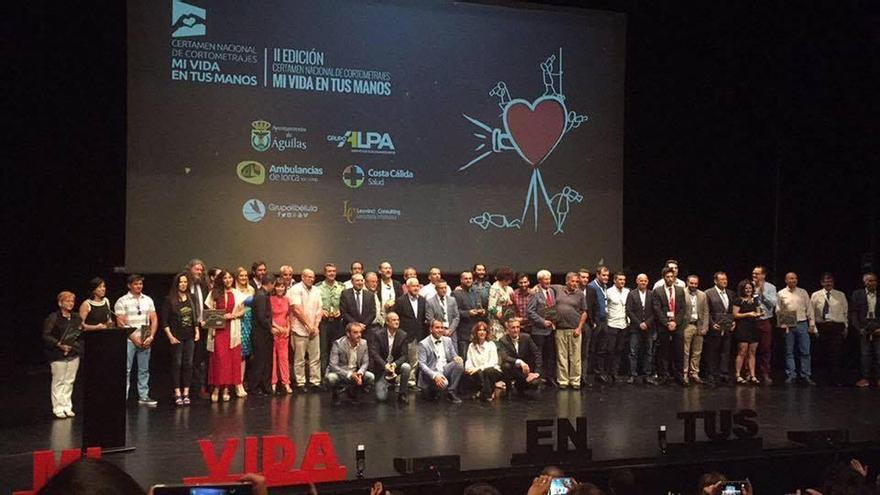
<point x="205" y="71"/>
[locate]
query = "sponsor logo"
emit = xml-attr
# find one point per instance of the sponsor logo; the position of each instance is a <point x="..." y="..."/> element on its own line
<point x="352" y="213"/>
<point x="365" y="142"/>
<point x="283" y="139"/>
<point x="292" y="211"/>
<point x="253" y="210"/>
<point x="353" y="176"/>
<point x="295" y="173"/>
<point x="251" y="172"/>
<point x="187" y="20"/>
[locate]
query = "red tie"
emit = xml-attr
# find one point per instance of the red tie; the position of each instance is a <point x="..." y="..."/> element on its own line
<point x="549" y="297"/>
<point x="672" y="299"/>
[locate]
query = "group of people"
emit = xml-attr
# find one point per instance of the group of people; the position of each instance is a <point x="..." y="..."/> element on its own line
<point x="232" y="332"/>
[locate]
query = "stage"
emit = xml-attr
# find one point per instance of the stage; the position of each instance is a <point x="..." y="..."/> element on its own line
<point x="622" y="423"/>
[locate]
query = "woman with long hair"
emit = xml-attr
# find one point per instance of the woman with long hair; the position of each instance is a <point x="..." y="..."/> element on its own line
<point x="244" y="296"/>
<point x="179" y="320"/>
<point x="745" y="313"/>
<point x="482" y="361"/>
<point x="224" y="344"/>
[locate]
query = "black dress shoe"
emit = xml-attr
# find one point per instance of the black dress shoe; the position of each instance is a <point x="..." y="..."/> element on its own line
<point x="402" y="399"/>
<point x="452" y="397"/>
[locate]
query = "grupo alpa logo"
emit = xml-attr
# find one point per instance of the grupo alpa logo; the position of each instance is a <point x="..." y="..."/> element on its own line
<point x="253" y="210"/>
<point x="251" y="171"/>
<point x="365" y="142"/>
<point x="187" y="20"/>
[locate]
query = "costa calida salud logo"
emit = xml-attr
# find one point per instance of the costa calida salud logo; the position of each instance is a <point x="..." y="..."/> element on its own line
<point x="187" y="20"/>
<point x="253" y="210"/>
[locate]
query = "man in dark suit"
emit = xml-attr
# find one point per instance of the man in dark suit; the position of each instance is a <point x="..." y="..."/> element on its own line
<point x="716" y="345"/>
<point x="357" y="304"/>
<point x="198" y="288"/>
<point x="542" y="329"/>
<point x="669" y="313"/>
<point x="411" y="309"/>
<point x="389" y="289"/>
<point x="863" y="316"/>
<point x="258" y="270"/>
<point x="640" y="310"/>
<point x="520" y="359"/>
<point x="389" y="359"/>
<point x="594" y="310"/>
<point x="470" y="310"/>
<point x="260" y="370"/>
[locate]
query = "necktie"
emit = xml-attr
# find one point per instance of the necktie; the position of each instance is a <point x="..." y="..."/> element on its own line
<point x="357" y="296"/>
<point x="723" y="295"/>
<point x="672" y="299"/>
<point x="549" y="296"/>
<point x="443" y="308"/>
<point x="390" y="346"/>
<point x="825" y="308"/>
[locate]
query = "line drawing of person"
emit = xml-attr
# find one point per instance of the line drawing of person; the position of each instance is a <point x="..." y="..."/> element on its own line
<point x="561" y="203"/>
<point x="550" y="77"/>
<point x="500" y="90"/>
<point x="487" y="220"/>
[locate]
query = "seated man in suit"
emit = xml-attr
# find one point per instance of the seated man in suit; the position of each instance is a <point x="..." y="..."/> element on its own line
<point x="440" y="366"/>
<point x="443" y="307"/>
<point x="388" y="359"/>
<point x="348" y="364"/>
<point x="520" y="358"/>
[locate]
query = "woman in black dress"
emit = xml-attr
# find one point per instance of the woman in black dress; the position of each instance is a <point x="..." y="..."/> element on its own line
<point x="179" y="320"/>
<point x="745" y="313"/>
<point x="95" y="311"/>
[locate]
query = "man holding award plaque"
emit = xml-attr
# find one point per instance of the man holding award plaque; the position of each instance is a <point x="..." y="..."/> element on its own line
<point x="795" y="314"/>
<point x="716" y="345"/>
<point x="765" y="295"/>
<point x="331" y="319"/>
<point x="541" y="313"/>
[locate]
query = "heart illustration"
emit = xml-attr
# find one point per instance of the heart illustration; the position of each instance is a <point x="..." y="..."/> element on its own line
<point x="535" y="127"/>
<point x="189" y="21"/>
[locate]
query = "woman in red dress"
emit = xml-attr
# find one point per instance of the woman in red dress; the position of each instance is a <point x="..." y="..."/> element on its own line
<point x="224" y="344"/>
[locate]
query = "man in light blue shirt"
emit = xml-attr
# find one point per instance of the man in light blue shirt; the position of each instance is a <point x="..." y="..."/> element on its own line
<point x="765" y="294"/>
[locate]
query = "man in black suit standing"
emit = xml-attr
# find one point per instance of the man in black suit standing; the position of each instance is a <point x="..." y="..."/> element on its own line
<point x="716" y="345"/>
<point x="357" y="304"/>
<point x="470" y="310"/>
<point x="669" y="313"/>
<point x="640" y="310"/>
<point x="260" y="371"/>
<point x="520" y="358"/>
<point x="863" y="316"/>
<point x="410" y="307"/>
<point x="388" y="359"/>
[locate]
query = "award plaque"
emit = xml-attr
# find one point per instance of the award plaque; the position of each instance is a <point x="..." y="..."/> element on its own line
<point x="549" y="313"/>
<point x="786" y="318"/>
<point x="214" y="318"/>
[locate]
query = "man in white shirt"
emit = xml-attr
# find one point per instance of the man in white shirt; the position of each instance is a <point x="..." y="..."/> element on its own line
<point x="389" y="289"/>
<point x="793" y="298"/>
<point x="674" y="265"/>
<point x="696" y="326"/>
<point x="306" y="314"/>
<point x="357" y="268"/>
<point x="831" y="310"/>
<point x="430" y="289"/>
<point x="136" y="310"/>
<point x="440" y="367"/>
<point x="613" y="337"/>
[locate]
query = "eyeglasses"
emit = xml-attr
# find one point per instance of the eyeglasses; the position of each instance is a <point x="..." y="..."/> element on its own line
<point x="139" y="308"/>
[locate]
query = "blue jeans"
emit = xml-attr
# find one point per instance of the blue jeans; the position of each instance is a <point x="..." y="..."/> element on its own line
<point x="382" y="385"/>
<point x="797" y="337"/>
<point x="870" y="348"/>
<point x="641" y="351"/>
<point x="143" y="362"/>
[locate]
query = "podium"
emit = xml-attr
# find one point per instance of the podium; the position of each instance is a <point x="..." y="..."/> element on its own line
<point x="103" y="381"/>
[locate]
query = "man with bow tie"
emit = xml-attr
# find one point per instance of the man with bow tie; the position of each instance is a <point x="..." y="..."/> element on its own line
<point x="440" y="367"/>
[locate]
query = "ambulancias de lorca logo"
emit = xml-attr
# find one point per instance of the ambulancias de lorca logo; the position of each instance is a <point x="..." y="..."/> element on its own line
<point x="187" y="20"/>
<point x="251" y="171"/>
<point x="261" y="135"/>
<point x="533" y="129"/>
<point x="253" y="210"/>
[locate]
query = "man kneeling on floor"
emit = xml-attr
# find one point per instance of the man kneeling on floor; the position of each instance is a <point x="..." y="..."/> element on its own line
<point x="440" y="366"/>
<point x="349" y="360"/>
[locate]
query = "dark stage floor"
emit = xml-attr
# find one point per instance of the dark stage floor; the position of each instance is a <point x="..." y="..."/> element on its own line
<point x="623" y="423"/>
